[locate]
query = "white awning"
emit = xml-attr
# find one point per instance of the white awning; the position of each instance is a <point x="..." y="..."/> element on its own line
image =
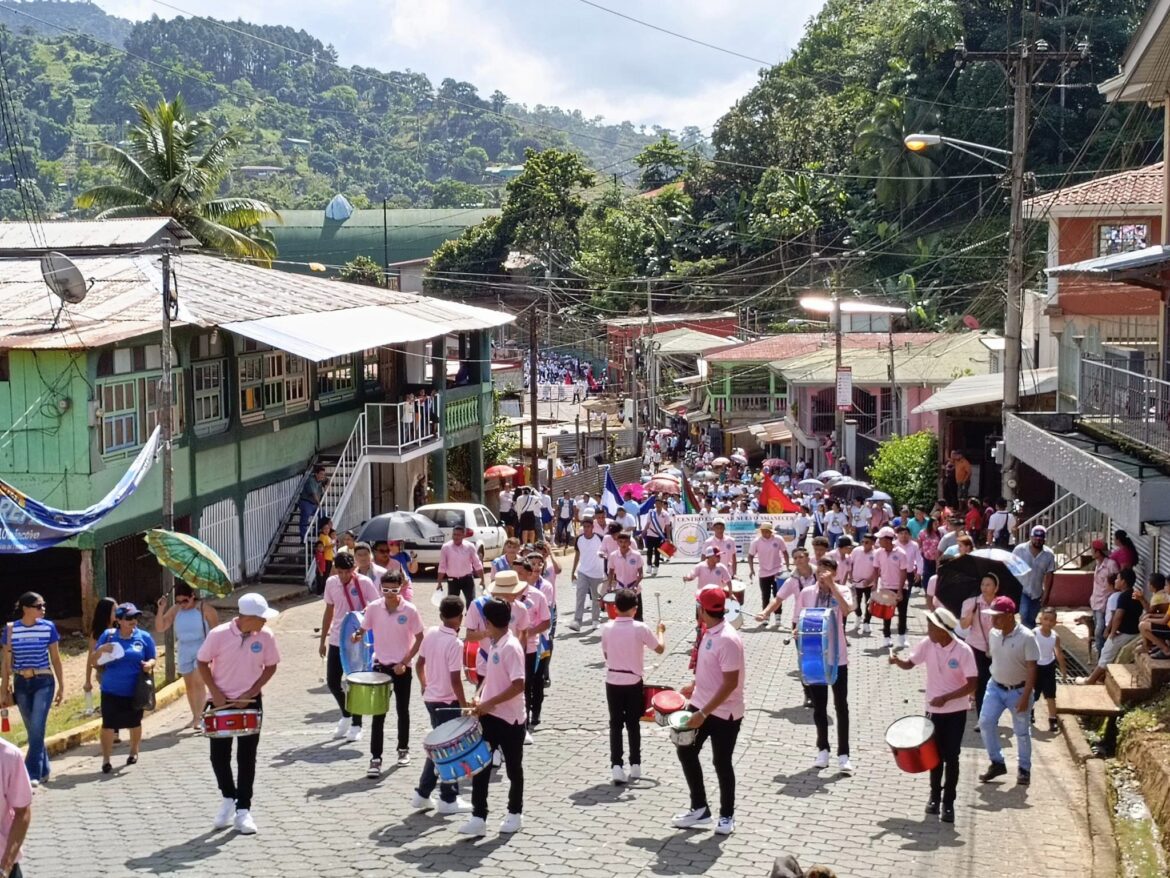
<point x="323" y="335"/>
<point x="979" y="389"/>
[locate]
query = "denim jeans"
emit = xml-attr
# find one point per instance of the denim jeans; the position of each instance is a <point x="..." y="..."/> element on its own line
<point x="34" y="697"/>
<point x="996" y="700"/>
<point x="1029" y="609"/>
<point x="308" y="510"/>
<point x="439" y="712"/>
<point x="1099" y="631"/>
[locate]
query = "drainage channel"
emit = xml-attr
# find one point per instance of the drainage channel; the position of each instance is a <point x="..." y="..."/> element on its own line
<point x="1139" y="841"/>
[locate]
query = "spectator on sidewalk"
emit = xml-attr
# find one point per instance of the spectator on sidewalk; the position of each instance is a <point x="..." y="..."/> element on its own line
<point x="1037" y="582"/>
<point x="192" y="618"/>
<point x="32" y="658"/>
<point x="124" y="652"/>
<point x="310" y="498"/>
<point x="1105" y="570"/>
<point x="1123" y="624"/>
<point x="1014" y="654"/>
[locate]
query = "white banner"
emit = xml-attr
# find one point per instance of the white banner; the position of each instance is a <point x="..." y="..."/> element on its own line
<point x="691" y="531"/>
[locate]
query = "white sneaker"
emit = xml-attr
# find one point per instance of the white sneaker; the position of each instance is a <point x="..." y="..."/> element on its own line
<point x="497" y="758"/>
<point x="474" y="826"/>
<point x="844" y="765"/>
<point x="354" y="733"/>
<point x="421" y="803"/>
<point x="725" y="826"/>
<point x="619" y="775"/>
<point x="404" y="757"/>
<point x="245" y="825"/>
<point x="865" y="632"/>
<point x="901" y="641"/>
<point x="375" y="769"/>
<point x="888" y="642"/>
<point x="574" y="625"/>
<point x="822" y="760"/>
<point x="691" y="819"/>
<point x="225" y="814"/>
<point x="512" y="823"/>
<point x="856" y="624"/>
<point x="459" y="806"/>
<point x="635" y="772"/>
<point x="342" y="727"/>
<point x="527" y="737"/>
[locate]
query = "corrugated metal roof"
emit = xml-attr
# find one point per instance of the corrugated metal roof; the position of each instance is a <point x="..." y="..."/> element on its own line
<point x="686" y="341"/>
<point x="1115" y="264"/>
<point x="980" y="389"/>
<point x="123" y="302"/>
<point x="795" y="344"/>
<point x="935" y="361"/>
<point x="73" y="235"/>
<point x="670" y="318"/>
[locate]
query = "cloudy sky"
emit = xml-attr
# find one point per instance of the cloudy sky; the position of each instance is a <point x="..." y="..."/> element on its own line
<point x="562" y="52"/>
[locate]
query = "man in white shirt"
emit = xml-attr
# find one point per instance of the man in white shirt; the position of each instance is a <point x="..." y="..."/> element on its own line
<point x="1001" y="526"/>
<point x="588" y="572"/>
<point x="507" y="516"/>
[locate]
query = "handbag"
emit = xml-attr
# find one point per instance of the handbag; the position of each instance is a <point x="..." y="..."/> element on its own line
<point x="144" y="692"/>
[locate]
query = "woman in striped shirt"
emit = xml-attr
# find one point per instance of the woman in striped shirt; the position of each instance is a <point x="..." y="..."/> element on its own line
<point x="32" y="659"/>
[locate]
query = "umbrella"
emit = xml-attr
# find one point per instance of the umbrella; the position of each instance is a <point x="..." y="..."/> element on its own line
<point x="720" y="461"/>
<point x="666" y="431"/>
<point x="499" y="471"/>
<point x="809" y="486"/>
<point x="882" y="496"/>
<point x="705" y="476"/>
<point x="774" y="462"/>
<point x="191" y="560"/>
<point x="958" y="580"/>
<point x="634" y="488"/>
<point x="672" y="471"/>
<point x="849" y="489"/>
<point x="407" y="527"/>
<point x="829" y="474"/>
<point x="739" y="458"/>
<point x="1017" y="565"/>
<point x="663" y="482"/>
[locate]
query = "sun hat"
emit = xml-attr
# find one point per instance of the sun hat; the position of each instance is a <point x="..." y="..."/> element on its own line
<point x="507" y="582"/>
<point x="943" y="618"/>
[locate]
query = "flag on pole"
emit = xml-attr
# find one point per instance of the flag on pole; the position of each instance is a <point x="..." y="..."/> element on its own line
<point x="773" y="500"/>
<point x="690" y="502"/>
<point x="610" y="498"/>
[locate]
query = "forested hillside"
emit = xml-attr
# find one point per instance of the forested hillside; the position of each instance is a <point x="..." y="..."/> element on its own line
<point x="318" y="126"/>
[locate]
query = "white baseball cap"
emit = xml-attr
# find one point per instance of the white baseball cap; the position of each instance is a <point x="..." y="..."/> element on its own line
<point x="252" y="604"/>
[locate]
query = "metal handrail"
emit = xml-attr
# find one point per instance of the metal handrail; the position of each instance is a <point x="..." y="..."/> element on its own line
<point x="344" y="469"/>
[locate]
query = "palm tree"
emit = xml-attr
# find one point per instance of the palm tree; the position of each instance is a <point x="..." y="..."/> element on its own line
<point x="161" y="172"/>
<point x="901" y="177"/>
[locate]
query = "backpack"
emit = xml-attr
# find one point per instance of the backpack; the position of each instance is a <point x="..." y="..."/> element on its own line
<point x="1003" y="536"/>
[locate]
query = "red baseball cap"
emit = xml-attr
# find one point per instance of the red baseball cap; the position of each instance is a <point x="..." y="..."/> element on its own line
<point x="713" y="600"/>
<point x="1000" y="606"/>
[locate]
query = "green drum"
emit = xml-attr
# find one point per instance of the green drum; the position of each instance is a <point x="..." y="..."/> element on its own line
<point x="367" y="693"/>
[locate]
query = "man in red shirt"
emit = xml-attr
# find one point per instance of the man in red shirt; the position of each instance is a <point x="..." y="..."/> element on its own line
<point x="973" y="523"/>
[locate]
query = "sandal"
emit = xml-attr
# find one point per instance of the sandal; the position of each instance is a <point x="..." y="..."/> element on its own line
<point x="132" y="759"/>
<point x="107" y="768"/>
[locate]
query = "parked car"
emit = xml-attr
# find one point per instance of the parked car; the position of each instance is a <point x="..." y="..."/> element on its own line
<point x="417" y="533"/>
<point x="484" y="530"/>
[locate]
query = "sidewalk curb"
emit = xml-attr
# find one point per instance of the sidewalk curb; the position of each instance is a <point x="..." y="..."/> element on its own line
<point x="1103" y="840"/>
<point x="70" y="739"/>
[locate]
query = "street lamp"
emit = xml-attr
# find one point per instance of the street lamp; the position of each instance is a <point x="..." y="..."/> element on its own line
<point x="919" y="142"/>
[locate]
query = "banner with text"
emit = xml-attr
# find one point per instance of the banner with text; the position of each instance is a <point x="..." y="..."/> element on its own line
<point x="691" y="531"/>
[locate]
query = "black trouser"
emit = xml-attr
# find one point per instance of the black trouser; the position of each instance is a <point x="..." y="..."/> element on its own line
<point x="767" y="592"/>
<point x="240" y="786"/>
<point x="533" y="686"/>
<point x="333" y="676"/>
<point x="462" y="585"/>
<point x="15" y="872"/>
<point x="562" y="535"/>
<point x="820" y="697"/>
<point x="509" y="739"/>
<point x="626" y="706"/>
<point x="862" y="595"/>
<point x="948" y="737"/>
<point x="903" y="608"/>
<point x="983" y="665"/>
<point x="439" y="713"/>
<point x="653" y="547"/>
<point x="723" y="734"/>
<point x="401" y="684"/>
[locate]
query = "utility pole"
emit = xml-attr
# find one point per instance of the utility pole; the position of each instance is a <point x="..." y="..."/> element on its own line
<point x="895" y="409"/>
<point x="165" y="429"/>
<point x="651" y="384"/>
<point x="839" y="419"/>
<point x="532" y="395"/>
<point x="385" y="246"/>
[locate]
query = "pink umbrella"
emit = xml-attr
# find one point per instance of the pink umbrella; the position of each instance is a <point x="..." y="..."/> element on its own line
<point x="633" y="488"/>
<point x="664" y="483"/>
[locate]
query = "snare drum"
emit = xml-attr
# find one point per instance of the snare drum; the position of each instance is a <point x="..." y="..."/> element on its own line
<point x="665" y="704"/>
<point x="680" y="735"/>
<point x="649" y="690"/>
<point x="609" y="600"/>
<point x="227" y="722"/>
<point x="738" y="590"/>
<point x="470" y="654"/>
<point x="817" y="646"/>
<point x="457" y="749"/>
<point x="882" y="604"/>
<point x="911" y="739"/>
<point x="367" y="693"/>
<point x="733" y="613"/>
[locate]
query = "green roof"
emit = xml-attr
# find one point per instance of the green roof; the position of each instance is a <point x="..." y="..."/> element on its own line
<point x="308" y="236"/>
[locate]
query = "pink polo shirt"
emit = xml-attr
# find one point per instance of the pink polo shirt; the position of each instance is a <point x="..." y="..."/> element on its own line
<point x="519" y="621"/>
<point x="808" y="598"/>
<point x="726" y="547"/>
<point x="536" y="605"/>
<point x="864" y="568"/>
<point x="394" y="630"/>
<point x="503" y="667"/>
<point x="771" y="553"/>
<point x="441" y="652"/>
<point x="844" y="565"/>
<point x="347" y="598"/>
<point x="913" y="555"/>
<point x="15" y="789"/>
<point x="717" y="575"/>
<point x="459" y="561"/>
<point x="550" y="593"/>
<point x="947" y="668"/>
<point x="237" y="660"/>
<point x="609" y="545"/>
<point x="981" y="626"/>
<point x="623" y="642"/>
<point x="626" y="568"/>
<point x="889" y="564"/>
<point x="721" y="651"/>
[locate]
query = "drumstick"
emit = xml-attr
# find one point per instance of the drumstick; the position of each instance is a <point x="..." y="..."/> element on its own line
<point x="658" y="604"/>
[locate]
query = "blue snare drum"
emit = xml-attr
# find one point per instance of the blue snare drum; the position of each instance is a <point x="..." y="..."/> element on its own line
<point x="817" y="646"/>
<point x="356" y="658"/>
<point x="457" y="749"/>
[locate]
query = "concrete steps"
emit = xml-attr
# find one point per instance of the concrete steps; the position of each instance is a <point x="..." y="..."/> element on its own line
<point x="1152" y="673"/>
<point x="1124" y="685"/>
<point x="1086" y="701"/>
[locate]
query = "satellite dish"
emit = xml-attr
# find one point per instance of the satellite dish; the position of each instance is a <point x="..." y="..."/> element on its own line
<point x="64" y="279"/>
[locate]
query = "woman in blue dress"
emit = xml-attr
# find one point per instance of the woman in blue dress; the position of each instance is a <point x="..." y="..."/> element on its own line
<point x="192" y="618"/>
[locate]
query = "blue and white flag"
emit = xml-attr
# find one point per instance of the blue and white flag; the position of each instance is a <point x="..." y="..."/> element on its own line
<point x="27" y="525"/>
<point x="610" y="499"/>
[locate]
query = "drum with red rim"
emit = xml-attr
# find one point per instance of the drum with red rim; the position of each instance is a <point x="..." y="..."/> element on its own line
<point x="911" y="739"/>
<point x="610" y="602"/>
<point x="470" y="652"/>
<point x="649" y="690"/>
<point x="231" y="722"/>
<point x="666" y="703"/>
<point x="882" y="604"/>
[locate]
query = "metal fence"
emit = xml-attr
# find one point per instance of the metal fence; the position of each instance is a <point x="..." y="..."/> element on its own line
<point x="1129" y="404"/>
<point x="219" y="527"/>
<point x="265" y="510"/>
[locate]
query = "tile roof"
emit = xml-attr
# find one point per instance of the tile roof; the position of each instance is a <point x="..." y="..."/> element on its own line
<point x="797" y="344"/>
<point x="919" y="358"/>
<point x="1139" y="186"/>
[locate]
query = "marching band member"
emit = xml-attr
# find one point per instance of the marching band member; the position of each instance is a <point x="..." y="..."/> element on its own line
<point x="800" y="577"/>
<point x="724" y="543"/>
<point x="542" y="559"/>
<point x="893" y="569"/>
<point x="365" y="565"/>
<point x="500" y="708"/>
<point x="843" y="554"/>
<point x="235" y="661"/>
<point x="440" y="673"/>
<point x="863" y="576"/>
<point x="345" y="591"/>
<point x="773" y="555"/>
<point x="626" y="570"/>
<point x="622" y="642"/>
<point x="951" y="677"/>
<point x="539" y="619"/>
<point x="828" y="593"/>
<point x="716" y="696"/>
<point x="398" y="633"/>
<point x="710" y="572"/>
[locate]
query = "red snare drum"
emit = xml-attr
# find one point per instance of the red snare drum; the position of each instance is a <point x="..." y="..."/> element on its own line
<point x="882" y="604"/>
<point x="648" y="693"/>
<point x="470" y="653"/>
<point x="610" y="602"/>
<point x="912" y="741"/>
<point x="666" y="703"/>
<point x="231" y="722"/>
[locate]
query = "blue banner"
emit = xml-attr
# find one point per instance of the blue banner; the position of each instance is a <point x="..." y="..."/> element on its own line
<point x="27" y="525"/>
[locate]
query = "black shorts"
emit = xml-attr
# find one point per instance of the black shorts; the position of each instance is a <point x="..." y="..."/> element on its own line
<point x="118" y="712"/>
<point x="1046" y="680"/>
<point x="528" y="521"/>
<point x="509" y="518"/>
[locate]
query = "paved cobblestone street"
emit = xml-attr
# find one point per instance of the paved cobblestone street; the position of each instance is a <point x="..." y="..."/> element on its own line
<point x="319" y="815"/>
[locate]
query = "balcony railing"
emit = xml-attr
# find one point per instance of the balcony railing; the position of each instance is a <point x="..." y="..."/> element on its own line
<point x="752" y="403"/>
<point x="461" y="414"/>
<point x="400" y="426"/>
<point x="1131" y="405"/>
